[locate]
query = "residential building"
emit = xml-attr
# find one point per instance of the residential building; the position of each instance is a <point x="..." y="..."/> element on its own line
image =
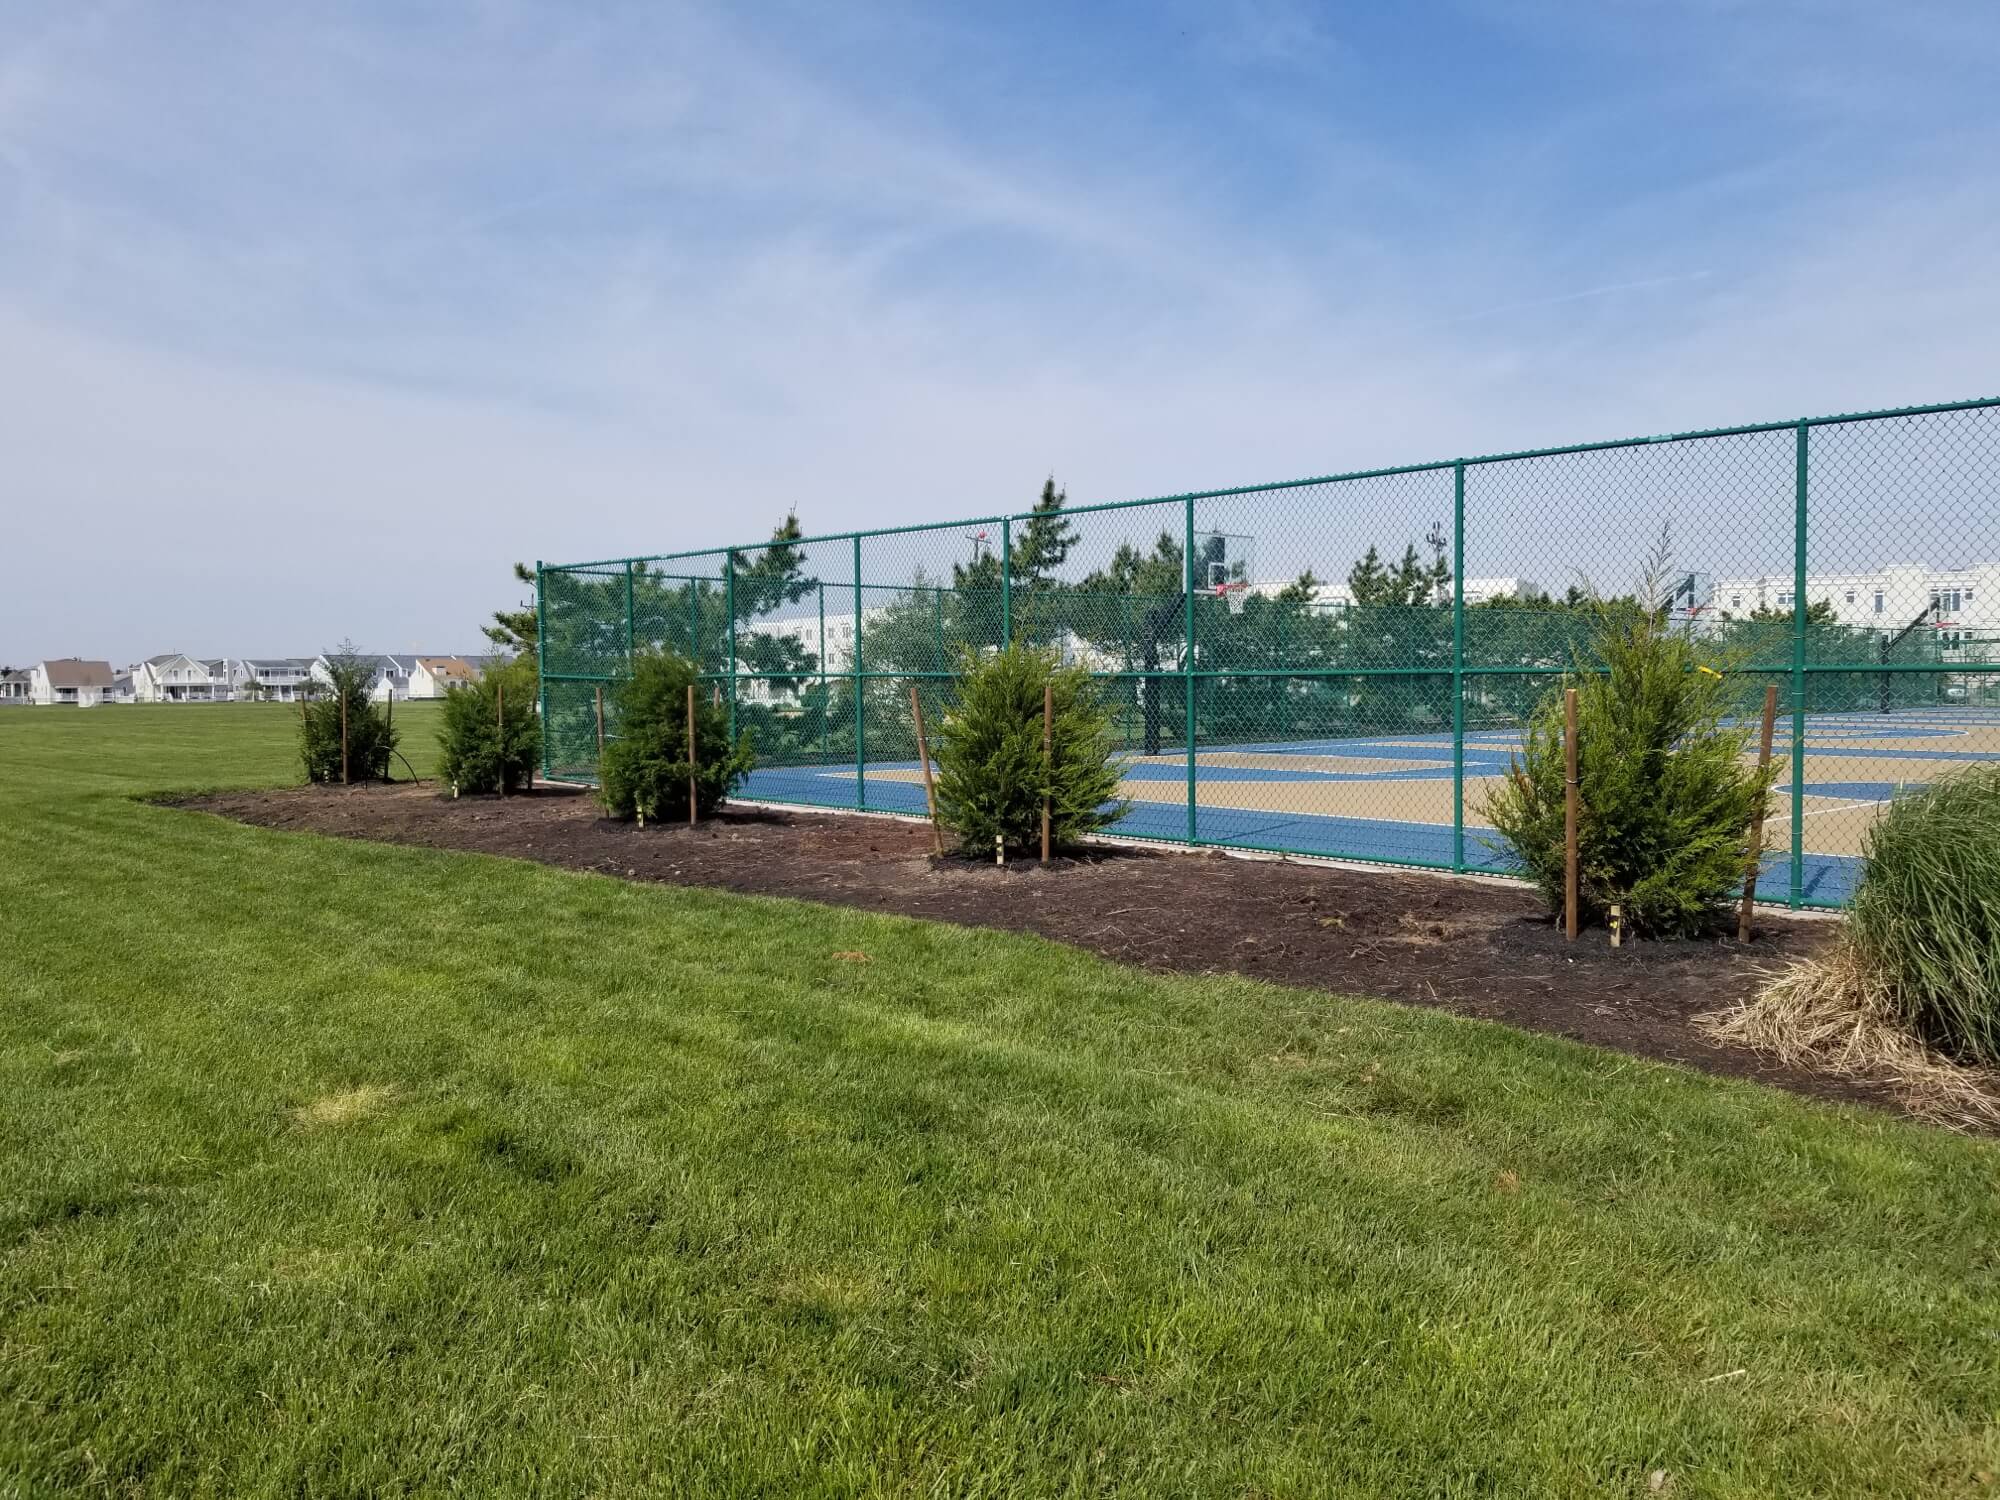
<point x="121" y="690"/>
<point x="391" y="676"/>
<point x="271" y="679"/>
<point x="434" y="676"/>
<point x="1961" y="605"/>
<point x="66" y="680"/>
<point x="16" y="687"/>
<point x="178" y="678"/>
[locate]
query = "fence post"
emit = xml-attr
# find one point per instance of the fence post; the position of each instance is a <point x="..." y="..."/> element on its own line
<point x="1757" y="824"/>
<point x="860" y="718"/>
<point x="1458" y="666"/>
<point x="691" y="754"/>
<point x="631" y="642"/>
<point x="1798" y="883"/>
<point x="1572" y="795"/>
<point x="1187" y="657"/>
<point x="729" y="607"/>
<point x="825" y="702"/>
<point x="1006" y="582"/>
<point x="541" y="665"/>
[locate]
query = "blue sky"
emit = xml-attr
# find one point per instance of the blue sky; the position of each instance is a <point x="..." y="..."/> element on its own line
<point x="316" y="317"/>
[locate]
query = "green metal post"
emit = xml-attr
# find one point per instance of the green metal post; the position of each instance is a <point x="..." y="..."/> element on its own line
<point x="1458" y="665"/>
<point x="631" y="643"/>
<point x="1187" y="658"/>
<point x="825" y="702"/>
<point x="1798" y="884"/>
<point x="729" y="607"/>
<point x="860" y="718"/>
<point x="1006" y="582"/>
<point x="937" y="609"/>
<point x="541" y="661"/>
<point x="694" y="624"/>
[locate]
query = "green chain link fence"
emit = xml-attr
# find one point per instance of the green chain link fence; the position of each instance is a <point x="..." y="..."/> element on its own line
<point x="1339" y="666"/>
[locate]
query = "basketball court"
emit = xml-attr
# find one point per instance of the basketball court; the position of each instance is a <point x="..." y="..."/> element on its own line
<point x="1389" y="798"/>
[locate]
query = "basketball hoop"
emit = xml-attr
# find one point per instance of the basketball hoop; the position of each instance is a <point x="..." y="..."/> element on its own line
<point x="1235" y="595"/>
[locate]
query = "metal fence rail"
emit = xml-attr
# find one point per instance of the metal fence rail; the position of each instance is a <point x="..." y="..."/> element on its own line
<point x="1338" y="666"/>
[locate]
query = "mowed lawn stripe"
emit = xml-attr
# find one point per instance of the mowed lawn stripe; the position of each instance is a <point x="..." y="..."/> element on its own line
<point x="330" y="1168"/>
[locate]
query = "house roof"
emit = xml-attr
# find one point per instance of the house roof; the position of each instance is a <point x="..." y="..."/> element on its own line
<point x="69" y="672"/>
<point x="448" y="668"/>
<point x="25" y="674"/>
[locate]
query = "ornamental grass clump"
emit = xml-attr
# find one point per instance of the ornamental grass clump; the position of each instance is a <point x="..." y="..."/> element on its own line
<point x="1908" y="995"/>
<point x="992" y="771"/>
<point x="1668" y="797"/>
<point x="1926" y="917"/>
<point x="644" y="772"/>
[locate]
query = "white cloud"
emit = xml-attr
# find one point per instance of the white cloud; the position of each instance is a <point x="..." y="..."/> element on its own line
<point x="312" y="333"/>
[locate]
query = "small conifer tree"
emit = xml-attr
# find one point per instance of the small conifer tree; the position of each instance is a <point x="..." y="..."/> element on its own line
<point x="992" y="773"/>
<point x="370" y="735"/>
<point x="644" y="772"/>
<point x="491" y="737"/>
<point x="1667" y="795"/>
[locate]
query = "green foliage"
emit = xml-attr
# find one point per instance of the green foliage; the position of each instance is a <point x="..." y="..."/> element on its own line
<point x="645" y="767"/>
<point x="993" y="774"/>
<point x="1043" y="540"/>
<point x="491" y="737"/>
<point x="1667" y="799"/>
<point x="370" y="734"/>
<point x="1927" y="915"/>
<point x="1408" y="583"/>
<point x="516" y="630"/>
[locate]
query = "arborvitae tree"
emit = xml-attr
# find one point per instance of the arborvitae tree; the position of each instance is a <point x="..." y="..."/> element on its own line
<point x="370" y="735"/>
<point x="644" y="771"/>
<point x="992" y="772"/>
<point x="1667" y="794"/>
<point x="491" y="738"/>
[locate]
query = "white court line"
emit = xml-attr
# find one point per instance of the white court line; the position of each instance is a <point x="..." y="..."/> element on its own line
<point x="1847" y="807"/>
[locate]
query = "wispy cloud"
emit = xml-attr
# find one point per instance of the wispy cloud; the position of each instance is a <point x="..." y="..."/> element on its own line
<point x="299" y="295"/>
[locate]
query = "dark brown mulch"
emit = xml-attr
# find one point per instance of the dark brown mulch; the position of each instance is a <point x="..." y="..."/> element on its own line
<point x="1478" y="948"/>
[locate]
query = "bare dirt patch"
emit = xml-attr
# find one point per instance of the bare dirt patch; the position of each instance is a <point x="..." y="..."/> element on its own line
<point x="1476" y="948"/>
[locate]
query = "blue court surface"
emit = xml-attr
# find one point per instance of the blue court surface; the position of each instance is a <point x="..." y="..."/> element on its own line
<point x="1321" y="798"/>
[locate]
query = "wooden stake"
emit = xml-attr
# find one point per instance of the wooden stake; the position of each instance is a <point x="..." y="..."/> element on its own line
<point x="343" y="736"/>
<point x="690" y="755"/>
<point x="1048" y="757"/>
<point x="388" y="723"/>
<point x="1571" y="795"/>
<point x="924" y="758"/>
<point x="599" y="692"/>
<point x="500" y="729"/>
<point x="1757" y="824"/>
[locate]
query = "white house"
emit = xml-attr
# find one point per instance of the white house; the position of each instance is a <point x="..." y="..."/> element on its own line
<point x="15" y="687"/>
<point x="176" y="678"/>
<point x="391" y="677"/>
<point x="434" y="676"/>
<point x="67" y="680"/>
<point x="273" y="679"/>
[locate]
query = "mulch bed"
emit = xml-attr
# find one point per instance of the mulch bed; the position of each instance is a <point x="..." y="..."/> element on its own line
<point x="1477" y="948"/>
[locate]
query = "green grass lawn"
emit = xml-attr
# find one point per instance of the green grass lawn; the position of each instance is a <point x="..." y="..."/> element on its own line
<point x="333" y="1169"/>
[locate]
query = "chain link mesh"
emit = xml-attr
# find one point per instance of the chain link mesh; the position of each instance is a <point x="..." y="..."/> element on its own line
<point x="1342" y="667"/>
